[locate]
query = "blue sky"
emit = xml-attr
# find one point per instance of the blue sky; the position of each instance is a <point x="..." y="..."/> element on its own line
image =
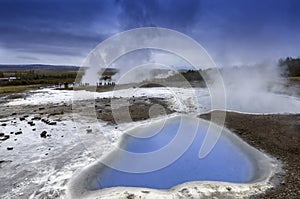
<point x="64" y="31"/>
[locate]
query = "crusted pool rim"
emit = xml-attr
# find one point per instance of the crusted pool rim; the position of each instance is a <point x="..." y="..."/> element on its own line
<point x="266" y="167"/>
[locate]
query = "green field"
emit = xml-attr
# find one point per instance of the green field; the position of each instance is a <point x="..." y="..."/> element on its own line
<point x="17" y="89"/>
<point x="42" y="77"/>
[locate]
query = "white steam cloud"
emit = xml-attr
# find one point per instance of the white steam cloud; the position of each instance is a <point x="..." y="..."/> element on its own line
<point x="258" y="89"/>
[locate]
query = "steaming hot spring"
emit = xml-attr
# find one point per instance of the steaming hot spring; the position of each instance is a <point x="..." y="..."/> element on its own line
<point x="231" y="160"/>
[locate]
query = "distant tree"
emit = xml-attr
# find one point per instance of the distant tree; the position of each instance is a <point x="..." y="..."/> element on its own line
<point x="292" y="66"/>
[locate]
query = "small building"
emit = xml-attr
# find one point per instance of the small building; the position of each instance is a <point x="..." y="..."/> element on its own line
<point x="4" y="79"/>
<point x="12" y="78"/>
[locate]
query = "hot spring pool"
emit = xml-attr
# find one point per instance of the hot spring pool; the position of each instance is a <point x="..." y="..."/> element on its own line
<point x="228" y="161"/>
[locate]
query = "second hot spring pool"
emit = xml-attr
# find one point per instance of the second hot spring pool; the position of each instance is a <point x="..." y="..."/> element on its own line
<point x="181" y="137"/>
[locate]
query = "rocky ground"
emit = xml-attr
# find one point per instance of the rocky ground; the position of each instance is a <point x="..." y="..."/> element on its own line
<point x="138" y="109"/>
<point x="40" y="137"/>
<point x="277" y="135"/>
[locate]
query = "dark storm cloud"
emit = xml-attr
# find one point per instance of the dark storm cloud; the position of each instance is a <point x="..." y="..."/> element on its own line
<point x="178" y="15"/>
<point x="232" y="28"/>
<point x="31" y="24"/>
<point x="237" y="16"/>
<point x="251" y="31"/>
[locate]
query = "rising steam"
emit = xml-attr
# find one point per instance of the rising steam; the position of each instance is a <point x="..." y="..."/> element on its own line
<point x="258" y="89"/>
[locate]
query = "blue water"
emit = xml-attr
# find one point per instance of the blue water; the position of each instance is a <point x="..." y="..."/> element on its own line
<point x="226" y="162"/>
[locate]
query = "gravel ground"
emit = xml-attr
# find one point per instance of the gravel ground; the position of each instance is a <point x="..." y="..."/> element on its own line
<point x="278" y="135"/>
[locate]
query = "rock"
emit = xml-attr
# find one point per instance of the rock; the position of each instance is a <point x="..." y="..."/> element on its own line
<point x="41" y="108"/>
<point x="43" y="134"/>
<point x="89" y="130"/>
<point x="36" y="118"/>
<point x="5" y="161"/>
<point x="45" y="120"/>
<point x="52" y="123"/>
<point x="145" y="191"/>
<point x="33" y="129"/>
<point x="58" y="120"/>
<point x="5" y="137"/>
<point x="18" y="132"/>
<point x="1" y="134"/>
<point x="14" y="114"/>
<point x="31" y="123"/>
<point x="22" y="118"/>
<point x="10" y="148"/>
<point x="3" y="124"/>
<point x="55" y="113"/>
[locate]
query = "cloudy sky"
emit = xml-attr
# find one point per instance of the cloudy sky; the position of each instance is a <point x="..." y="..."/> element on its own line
<point x="65" y="31"/>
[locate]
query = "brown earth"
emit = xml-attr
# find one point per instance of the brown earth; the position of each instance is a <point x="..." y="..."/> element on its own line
<point x="277" y="135"/>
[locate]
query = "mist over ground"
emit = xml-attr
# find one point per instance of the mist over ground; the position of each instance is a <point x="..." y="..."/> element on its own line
<point x="258" y="87"/>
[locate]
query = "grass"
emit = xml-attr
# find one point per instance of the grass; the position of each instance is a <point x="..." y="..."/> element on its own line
<point x="17" y="89"/>
<point x="294" y="78"/>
